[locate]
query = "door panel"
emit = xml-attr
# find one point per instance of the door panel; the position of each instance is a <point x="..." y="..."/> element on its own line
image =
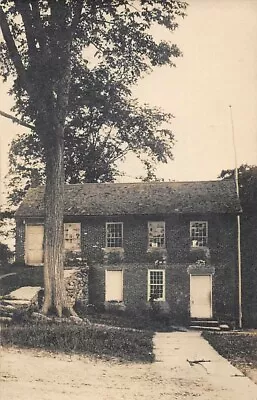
<point x="201" y="296"/>
<point x="34" y="244"/>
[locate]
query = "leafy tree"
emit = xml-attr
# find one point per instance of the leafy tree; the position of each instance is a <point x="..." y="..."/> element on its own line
<point x="43" y="44"/>
<point x="6" y="220"/>
<point x="247" y="177"/>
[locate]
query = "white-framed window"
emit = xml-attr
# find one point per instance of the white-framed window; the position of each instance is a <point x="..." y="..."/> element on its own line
<point x="199" y="233"/>
<point x="156" y="284"/>
<point x="72" y="236"/>
<point x="113" y="285"/>
<point x="156" y="234"/>
<point x="114" y="234"/>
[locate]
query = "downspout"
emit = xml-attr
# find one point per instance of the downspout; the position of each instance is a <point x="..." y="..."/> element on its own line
<point x="239" y="264"/>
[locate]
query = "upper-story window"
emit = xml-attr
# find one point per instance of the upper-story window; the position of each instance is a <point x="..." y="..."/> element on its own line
<point x="72" y="236"/>
<point x="199" y="233"/>
<point x="156" y="234"/>
<point x="114" y="234"/>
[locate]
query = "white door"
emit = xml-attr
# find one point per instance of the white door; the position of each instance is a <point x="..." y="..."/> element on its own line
<point x="201" y="296"/>
<point x="113" y="285"/>
<point x="34" y="244"/>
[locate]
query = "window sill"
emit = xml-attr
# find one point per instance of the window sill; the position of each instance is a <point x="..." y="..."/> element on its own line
<point x="157" y="301"/>
<point x="197" y="248"/>
<point x="119" y="250"/>
<point x="161" y="250"/>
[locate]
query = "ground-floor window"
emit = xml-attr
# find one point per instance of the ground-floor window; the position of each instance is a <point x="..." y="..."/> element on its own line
<point x="113" y="285"/>
<point x="156" y="284"/>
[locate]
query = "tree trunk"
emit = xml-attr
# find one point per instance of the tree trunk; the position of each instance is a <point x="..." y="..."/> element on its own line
<point x="55" y="296"/>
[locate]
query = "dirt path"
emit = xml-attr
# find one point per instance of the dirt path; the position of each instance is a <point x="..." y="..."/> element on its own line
<point x="36" y="375"/>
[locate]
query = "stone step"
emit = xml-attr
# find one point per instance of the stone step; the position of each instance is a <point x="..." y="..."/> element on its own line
<point x="205" y="328"/>
<point x="205" y="322"/>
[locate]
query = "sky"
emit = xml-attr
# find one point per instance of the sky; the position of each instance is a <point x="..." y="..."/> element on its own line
<point x="218" y="69"/>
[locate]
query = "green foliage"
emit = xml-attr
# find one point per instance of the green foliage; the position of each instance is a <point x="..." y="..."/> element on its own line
<point x="5" y="254"/>
<point x="247" y="177"/>
<point x="156" y="257"/>
<point x="146" y="320"/>
<point x="125" y="344"/>
<point x="74" y="259"/>
<point x="112" y="48"/>
<point x="198" y="254"/>
<point x="24" y="276"/>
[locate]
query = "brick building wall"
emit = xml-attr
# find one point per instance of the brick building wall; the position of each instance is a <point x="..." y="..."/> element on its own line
<point x="136" y="260"/>
<point x="177" y="289"/>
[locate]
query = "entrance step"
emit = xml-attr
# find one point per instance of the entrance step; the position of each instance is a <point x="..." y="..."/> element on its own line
<point x="205" y="328"/>
<point x="208" y="324"/>
<point x="205" y="324"/>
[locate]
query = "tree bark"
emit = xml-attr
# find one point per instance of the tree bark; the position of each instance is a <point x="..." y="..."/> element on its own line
<point x="53" y="241"/>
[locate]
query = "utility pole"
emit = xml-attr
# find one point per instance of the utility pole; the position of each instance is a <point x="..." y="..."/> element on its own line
<point x="240" y="314"/>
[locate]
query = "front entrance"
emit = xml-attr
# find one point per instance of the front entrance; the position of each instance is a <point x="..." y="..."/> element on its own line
<point x="201" y="296"/>
<point x="34" y="244"/>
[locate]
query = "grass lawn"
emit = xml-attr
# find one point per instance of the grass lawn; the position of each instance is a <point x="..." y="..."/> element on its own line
<point x="240" y="348"/>
<point x="141" y="322"/>
<point x="124" y="344"/>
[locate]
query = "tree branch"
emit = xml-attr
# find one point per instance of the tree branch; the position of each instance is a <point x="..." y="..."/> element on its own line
<point x="39" y="30"/>
<point x="13" y="51"/>
<point x="17" y="120"/>
<point x="24" y="9"/>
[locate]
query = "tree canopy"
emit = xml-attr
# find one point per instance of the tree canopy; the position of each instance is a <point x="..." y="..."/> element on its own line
<point x="103" y="121"/>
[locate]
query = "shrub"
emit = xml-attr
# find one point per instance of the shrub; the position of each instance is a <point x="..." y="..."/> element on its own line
<point x="74" y="260"/>
<point x="5" y="254"/>
<point x="157" y="257"/>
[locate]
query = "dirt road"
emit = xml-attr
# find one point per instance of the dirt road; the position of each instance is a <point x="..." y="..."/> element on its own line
<point x="36" y="375"/>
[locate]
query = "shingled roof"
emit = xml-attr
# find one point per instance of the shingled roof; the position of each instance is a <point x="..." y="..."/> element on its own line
<point x="138" y="198"/>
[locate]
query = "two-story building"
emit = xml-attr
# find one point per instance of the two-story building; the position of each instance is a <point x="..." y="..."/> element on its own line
<point x="175" y="242"/>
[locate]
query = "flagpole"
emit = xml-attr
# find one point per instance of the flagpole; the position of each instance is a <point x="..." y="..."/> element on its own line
<point x="240" y="315"/>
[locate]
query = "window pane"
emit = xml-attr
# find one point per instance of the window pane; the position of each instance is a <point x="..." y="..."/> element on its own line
<point x="156" y="234"/>
<point x="156" y="284"/>
<point x="199" y="233"/>
<point x="114" y="234"/>
<point x="72" y="236"/>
